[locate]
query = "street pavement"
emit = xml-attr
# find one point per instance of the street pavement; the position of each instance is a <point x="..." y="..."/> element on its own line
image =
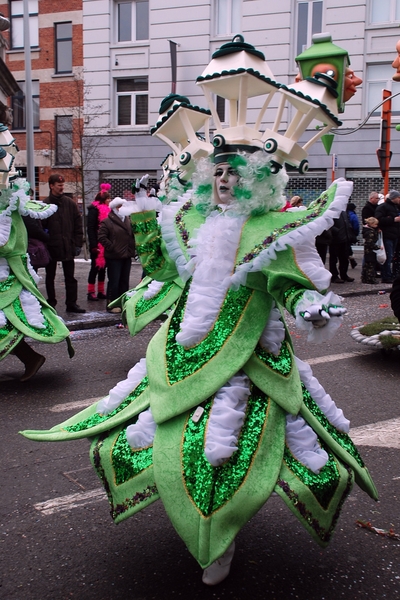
<point x="57" y="540"/>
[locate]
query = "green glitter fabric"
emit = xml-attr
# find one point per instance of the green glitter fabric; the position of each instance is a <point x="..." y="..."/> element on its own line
<point x="7" y="283"/>
<point x="96" y="418"/>
<point x="281" y="363"/>
<point x="148" y="247"/>
<point x="143" y="305"/>
<point x="129" y="496"/>
<point x="47" y="331"/>
<point x="340" y="437"/>
<point x="323" y="484"/>
<point x="183" y="362"/>
<point x="319" y="523"/>
<point x="292" y="296"/>
<point x="128" y="462"/>
<point x="145" y="227"/>
<point x="211" y="487"/>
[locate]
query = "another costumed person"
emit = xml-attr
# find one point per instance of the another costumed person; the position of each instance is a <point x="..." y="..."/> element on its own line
<point x="23" y="310"/>
<point x="221" y="414"/>
<point x="97" y="212"/>
<point x="177" y="126"/>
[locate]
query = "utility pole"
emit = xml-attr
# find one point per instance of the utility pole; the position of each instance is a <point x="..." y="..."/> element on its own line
<point x="30" y="155"/>
<point x="383" y="153"/>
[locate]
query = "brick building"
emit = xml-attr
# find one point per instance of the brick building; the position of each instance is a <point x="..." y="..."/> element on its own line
<point x="57" y="88"/>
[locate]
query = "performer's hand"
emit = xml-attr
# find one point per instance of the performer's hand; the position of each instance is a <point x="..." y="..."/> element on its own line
<point x="94" y="252"/>
<point x="320" y="314"/>
<point x="77" y="250"/>
<point x="141" y="187"/>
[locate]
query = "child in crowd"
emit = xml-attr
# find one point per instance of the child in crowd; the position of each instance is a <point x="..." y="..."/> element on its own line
<point x="370" y="234"/>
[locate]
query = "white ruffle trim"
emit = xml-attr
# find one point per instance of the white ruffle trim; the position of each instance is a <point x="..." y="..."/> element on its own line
<point x="184" y="266"/>
<point x="140" y="204"/>
<point x="123" y="388"/>
<point x="303" y="443"/>
<point x="36" y="278"/>
<point x="215" y="248"/>
<point x="309" y="261"/>
<point x="141" y="434"/>
<point x="152" y="289"/>
<point x="323" y="400"/>
<point x="274" y="332"/>
<point x="226" y="419"/>
<point x="4" y="269"/>
<point x="322" y="334"/>
<point x="3" y="319"/>
<point x="32" y="309"/>
<point x="299" y="237"/>
<point x="38" y="214"/>
<point x="5" y="227"/>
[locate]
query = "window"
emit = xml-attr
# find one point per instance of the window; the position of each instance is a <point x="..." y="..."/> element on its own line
<point x="385" y="11"/>
<point x="17" y="23"/>
<point x="228" y="16"/>
<point x="220" y="106"/>
<point x="132" y="21"/>
<point x="18" y="106"/>
<point x="377" y="78"/>
<point x="64" y="140"/>
<point x="132" y="101"/>
<point x="309" y="21"/>
<point x="63" y="42"/>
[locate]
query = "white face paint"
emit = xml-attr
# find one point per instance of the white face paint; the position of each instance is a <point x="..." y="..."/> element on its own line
<point x="225" y="178"/>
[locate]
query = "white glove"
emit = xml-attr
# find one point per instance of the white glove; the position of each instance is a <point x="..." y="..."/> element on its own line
<point x="142" y="200"/>
<point x="141" y="187"/>
<point x="320" y="314"/>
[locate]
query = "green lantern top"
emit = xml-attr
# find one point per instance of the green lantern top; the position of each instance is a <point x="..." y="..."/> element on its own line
<point x="325" y="63"/>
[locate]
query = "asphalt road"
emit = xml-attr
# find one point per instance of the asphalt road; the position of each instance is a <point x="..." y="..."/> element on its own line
<point x="70" y="548"/>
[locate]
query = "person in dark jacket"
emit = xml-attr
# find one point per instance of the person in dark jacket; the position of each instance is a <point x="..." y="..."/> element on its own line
<point x="339" y="249"/>
<point x="369" y="208"/>
<point x="354" y="230"/>
<point x="65" y="242"/>
<point x="97" y="212"/>
<point x="388" y="215"/>
<point x="115" y="234"/>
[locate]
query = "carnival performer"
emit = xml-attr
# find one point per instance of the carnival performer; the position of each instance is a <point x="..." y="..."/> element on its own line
<point x="97" y="212"/>
<point x="23" y="309"/>
<point x="221" y="414"/>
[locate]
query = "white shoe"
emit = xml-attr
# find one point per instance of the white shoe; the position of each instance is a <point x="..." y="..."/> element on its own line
<point x="219" y="569"/>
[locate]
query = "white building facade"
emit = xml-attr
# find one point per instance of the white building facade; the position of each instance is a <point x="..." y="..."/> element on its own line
<point x="127" y="65"/>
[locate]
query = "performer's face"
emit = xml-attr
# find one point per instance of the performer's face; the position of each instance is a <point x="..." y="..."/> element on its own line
<point x="351" y="81"/>
<point x="225" y="178"/>
<point x="396" y="63"/>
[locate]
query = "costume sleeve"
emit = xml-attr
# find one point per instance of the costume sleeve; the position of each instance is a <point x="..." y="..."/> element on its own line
<point x="151" y="248"/>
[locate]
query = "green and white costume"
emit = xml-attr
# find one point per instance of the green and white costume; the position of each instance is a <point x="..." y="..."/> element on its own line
<point x="221" y="414"/>
<point x="23" y="310"/>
